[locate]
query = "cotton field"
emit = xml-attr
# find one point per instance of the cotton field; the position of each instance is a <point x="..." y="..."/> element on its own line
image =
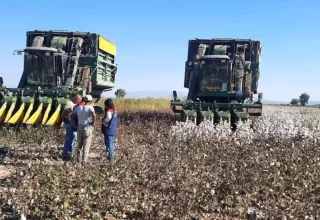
<point x="268" y="169"/>
<point x="280" y="122"/>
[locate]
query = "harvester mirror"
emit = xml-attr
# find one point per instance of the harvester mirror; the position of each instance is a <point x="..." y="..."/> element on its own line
<point x="175" y="94"/>
<point x="260" y="95"/>
<point x="1" y="81"/>
<point x="17" y="52"/>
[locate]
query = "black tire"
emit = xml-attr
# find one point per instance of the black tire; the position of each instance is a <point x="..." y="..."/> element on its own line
<point x="216" y="119"/>
<point x="234" y="121"/>
<point x="200" y="119"/>
<point x="183" y="117"/>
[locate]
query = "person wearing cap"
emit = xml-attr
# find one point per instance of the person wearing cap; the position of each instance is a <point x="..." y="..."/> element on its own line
<point x="86" y="117"/>
<point x="65" y="116"/>
<point x="109" y="127"/>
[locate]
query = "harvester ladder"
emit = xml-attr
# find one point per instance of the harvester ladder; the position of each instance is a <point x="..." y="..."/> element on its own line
<point x="74" y="55"/>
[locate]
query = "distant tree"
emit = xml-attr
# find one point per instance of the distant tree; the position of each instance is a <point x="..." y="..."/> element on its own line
<point x="295" y="101"/>
<point x="120" y="93"/>
<point x="304" y="98"/>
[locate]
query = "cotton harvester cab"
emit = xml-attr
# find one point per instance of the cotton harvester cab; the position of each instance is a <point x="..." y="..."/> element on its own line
<point x="58" y="65"/>
<point x="222" y="77"/>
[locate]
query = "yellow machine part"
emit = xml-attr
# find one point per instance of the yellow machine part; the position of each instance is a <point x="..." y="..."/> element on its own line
<point x="9" y="114"/>
<point x="36" y="116"/>
<point x="3" y="111"/>
<point x="46" y="114"/>
<point x="41" y="115"/>
<point x="27" y="115"/>
<point x="107" y="46"/>
<point x="55" y="117"/>
<point x="18" y="116"/>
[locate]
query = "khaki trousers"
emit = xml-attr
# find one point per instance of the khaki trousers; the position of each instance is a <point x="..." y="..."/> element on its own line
<point x="84" y="141"/>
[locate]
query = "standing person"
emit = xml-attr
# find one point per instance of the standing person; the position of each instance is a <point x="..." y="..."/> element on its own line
<point x="65" y="116"/>
<point x="74" y="141"/>
<point x="109" y="127"/>
<point x="86" y="118"/>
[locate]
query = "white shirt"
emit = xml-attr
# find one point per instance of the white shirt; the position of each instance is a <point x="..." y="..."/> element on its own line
<point x="84" y="114"/>
<point x="108" y="118"/>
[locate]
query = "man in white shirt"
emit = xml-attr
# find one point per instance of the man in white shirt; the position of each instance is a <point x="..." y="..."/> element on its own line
<point x="86" y="119"/>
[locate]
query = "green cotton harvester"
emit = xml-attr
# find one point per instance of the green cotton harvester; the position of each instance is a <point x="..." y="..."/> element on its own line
<point x="57" y="65"/>
<point x="222" y="76"/>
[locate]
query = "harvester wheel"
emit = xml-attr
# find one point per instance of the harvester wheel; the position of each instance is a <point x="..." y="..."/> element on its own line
<point x="216" y="118"/>
<point x="234" y="121"/>
<point x="183" y="117"/>
<point x="200" y="119"/>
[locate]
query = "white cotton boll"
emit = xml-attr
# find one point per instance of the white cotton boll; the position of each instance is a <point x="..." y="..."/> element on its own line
<point x="279" y="122"/>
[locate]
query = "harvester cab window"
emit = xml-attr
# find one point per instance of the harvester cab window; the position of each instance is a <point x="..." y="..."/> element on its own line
<point x="202" y="49"/>
<point x="219" y="50"/>
<point x="40" y="69"/>
<point x="86" y="48"/>
<point x="244" y="50"/>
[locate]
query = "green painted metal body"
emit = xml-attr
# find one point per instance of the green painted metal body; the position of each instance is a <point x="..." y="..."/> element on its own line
<point x="222" y="76"/>
<point x="58" y="64"/>
<point x="101" y="63"/>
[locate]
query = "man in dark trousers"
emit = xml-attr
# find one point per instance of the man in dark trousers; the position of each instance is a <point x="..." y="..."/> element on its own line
<point x="109" y="127"/>
<point x="83" y="118"/>
<point x="74" y="142"/>
<point x="65" y="116"/>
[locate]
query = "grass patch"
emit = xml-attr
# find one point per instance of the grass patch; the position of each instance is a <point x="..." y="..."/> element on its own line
<point x="140" y="104"/>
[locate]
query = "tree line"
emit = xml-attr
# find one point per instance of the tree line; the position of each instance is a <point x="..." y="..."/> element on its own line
<point x="120" y="93"/>
<point x="302" y="100"/>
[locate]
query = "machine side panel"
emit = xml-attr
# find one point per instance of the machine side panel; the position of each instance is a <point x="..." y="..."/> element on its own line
<point x="192" y="51"/>
<point x="107" y="46"/>
<point x="255" y="66"/>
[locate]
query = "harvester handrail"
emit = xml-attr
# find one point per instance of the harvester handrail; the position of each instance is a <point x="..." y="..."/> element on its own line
<point x="41" y="48"/>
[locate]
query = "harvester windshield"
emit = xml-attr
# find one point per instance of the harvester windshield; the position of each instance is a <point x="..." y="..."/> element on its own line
<point x="215" y="74"/>
<point x="40" y="69"/>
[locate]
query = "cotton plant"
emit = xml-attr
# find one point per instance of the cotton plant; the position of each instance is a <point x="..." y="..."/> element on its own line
<point x="281" y="122"/>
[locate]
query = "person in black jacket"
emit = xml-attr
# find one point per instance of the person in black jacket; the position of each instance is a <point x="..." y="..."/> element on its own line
<point x="109" y="127"/>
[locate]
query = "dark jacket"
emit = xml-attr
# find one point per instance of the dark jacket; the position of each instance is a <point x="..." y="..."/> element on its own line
<point x="112" y="127"/>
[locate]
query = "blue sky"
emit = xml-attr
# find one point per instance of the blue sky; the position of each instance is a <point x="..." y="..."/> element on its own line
<point x="152" y="38"/>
